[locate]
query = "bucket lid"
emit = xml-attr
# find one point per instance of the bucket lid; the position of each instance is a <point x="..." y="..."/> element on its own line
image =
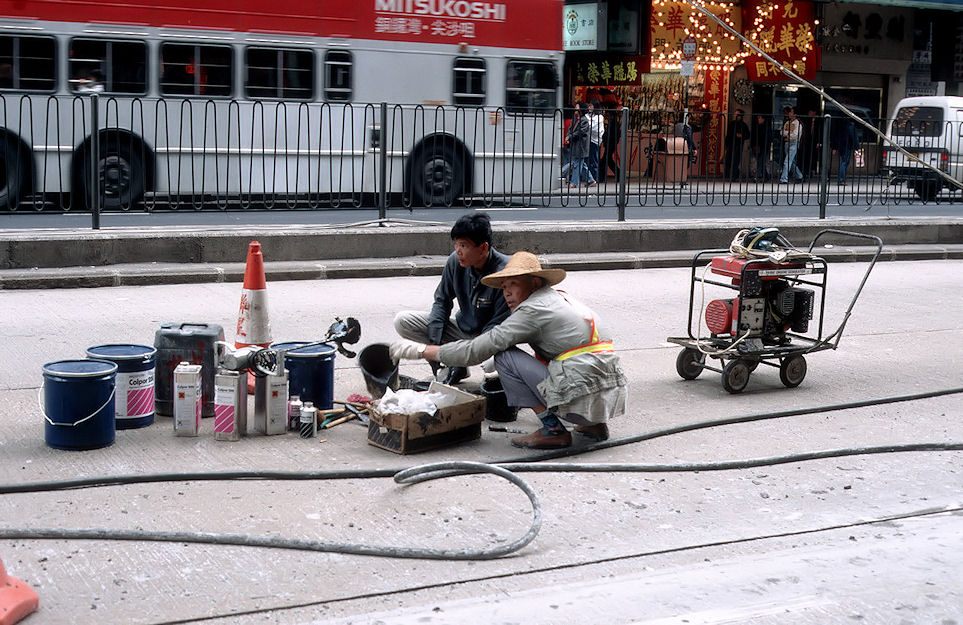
<point x="80" y="368"/>
<point x="121" y="351"/>
<point x="292" y="349"/>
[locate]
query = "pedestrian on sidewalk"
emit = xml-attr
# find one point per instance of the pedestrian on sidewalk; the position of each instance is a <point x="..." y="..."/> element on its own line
<point x="760" y="140"/>
<point x="575" y="375"/>
<point x="843" y="140"/>
<point x="579" y="136"/>
<point x="791" y="133"/>
<point x="480" y="307"/>
<point x="597" y="124"/>
<point x="736" y="134"/>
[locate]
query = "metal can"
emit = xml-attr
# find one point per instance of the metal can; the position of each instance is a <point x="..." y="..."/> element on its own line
<point x="187" y="399"/>
<point x="294" y="412"/>
<point x="230" y="405"/>
<point x="308" y="422"/>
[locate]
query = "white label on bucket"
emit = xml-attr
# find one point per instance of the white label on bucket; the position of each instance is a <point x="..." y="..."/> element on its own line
<point x="135" y="394"/>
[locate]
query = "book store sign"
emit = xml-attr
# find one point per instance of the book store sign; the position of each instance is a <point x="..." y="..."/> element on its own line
<point x="580" y="27"/>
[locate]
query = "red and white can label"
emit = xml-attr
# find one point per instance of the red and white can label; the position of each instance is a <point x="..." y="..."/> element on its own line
<point x="135" y="390"/>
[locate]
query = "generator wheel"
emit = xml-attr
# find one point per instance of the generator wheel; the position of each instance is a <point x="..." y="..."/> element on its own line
<point x="735" y="375"/>
<point x="690" y="363"/>
<point x="792" y="370"/>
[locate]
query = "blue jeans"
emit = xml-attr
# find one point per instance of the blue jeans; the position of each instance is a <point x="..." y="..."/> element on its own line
<point x="580" y="168"/>
<point x="593" y="160"/>
<point x="790" y="163"/>
<point x="844" y="156"/>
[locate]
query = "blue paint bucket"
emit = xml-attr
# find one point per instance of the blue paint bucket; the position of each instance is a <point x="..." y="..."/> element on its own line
<point x="134" y="399"/>
<point x="311" y="372"/>
<point x="78" y="404"/>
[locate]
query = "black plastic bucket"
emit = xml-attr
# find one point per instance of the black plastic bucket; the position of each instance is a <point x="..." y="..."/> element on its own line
<point x="379" y="372"/>
<point x="496" y="403"/>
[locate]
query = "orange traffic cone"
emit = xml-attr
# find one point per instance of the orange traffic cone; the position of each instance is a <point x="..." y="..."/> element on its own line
<point x="17" y="600"/>
<point x="253" y="324"/>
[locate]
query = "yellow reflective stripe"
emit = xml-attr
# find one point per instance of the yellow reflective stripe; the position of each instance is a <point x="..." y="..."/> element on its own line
<point x="591" y="348"/>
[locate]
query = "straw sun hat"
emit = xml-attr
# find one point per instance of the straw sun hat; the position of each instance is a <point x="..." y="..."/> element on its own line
<point x="524" y="264"/>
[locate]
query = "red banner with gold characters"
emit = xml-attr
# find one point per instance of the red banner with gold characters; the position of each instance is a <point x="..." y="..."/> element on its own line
<point x="786" y="31"/>
<point x="714" y="127"/>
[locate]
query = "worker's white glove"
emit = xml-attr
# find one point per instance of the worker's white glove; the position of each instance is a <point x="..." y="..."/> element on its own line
<point x="403" y="349"/>
<point x="489" y="365"/>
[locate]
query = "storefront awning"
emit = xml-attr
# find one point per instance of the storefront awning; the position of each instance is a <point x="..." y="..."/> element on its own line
<point x="946" y="5"/>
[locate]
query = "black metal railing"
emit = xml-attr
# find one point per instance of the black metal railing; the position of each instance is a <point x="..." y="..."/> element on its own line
<point x="184" y="154"/>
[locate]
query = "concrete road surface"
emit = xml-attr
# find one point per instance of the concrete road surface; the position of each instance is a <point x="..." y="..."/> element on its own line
<point x="860" y="539"/>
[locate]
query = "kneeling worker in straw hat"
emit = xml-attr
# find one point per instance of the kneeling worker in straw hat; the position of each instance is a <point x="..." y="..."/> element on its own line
<point x="575" y="375"/>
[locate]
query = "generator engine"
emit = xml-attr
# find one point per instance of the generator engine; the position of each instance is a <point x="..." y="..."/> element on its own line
<point x="768" y="305"/>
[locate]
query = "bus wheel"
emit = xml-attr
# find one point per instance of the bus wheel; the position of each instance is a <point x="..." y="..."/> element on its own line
<point x="120" y="173"/>
<point x="437" y="176"/>
<point x="927" y="190"/>
<point x="13" y="172"/>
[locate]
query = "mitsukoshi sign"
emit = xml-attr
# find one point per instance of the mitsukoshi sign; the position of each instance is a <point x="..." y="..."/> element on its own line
<point x="459" y="9"/>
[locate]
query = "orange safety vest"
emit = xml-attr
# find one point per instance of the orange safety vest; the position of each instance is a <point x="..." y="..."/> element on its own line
<point x="595" y="346"/>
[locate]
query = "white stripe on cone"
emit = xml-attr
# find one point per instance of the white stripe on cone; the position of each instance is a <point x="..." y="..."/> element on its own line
<point x="253" y="324"/>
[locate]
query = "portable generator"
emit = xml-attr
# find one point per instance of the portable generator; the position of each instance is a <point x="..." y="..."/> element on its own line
<point x="780" y="292"/>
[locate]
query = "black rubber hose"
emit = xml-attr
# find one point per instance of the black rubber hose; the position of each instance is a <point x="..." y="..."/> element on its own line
<point x="350" y="474"/>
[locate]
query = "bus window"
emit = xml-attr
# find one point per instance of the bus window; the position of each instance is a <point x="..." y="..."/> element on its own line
<point x="279" y="74"/>
<point x="469" y="87"/>
<point x="27" y="63"/>
<point x="337" y="75"/>
<point x="530" y="87"/>
<point x="194" y="70"/>
<point x="120" y="66"/>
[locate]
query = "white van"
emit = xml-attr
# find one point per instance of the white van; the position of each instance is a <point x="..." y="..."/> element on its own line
<point x="931" y="128"/>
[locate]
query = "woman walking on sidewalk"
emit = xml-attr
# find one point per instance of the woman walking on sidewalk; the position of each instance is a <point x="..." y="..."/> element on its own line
<point x="579" y="134"/>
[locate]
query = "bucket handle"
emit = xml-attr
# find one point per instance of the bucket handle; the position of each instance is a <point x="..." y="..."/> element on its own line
<point x="75" y="423"/>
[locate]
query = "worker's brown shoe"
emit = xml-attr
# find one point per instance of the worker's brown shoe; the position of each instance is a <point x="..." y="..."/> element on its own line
<point x="597" y="432"/>
<point x="540" y="440"/>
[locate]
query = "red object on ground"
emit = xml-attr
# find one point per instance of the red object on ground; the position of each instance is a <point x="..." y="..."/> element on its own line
<point x="358" y="399"/>
<point x="17" y="600"/>
<point x="253" y="323"/>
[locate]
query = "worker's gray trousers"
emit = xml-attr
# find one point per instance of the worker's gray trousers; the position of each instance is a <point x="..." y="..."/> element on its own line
<point x="413" y="325"/>
<point x="520" y="374"/>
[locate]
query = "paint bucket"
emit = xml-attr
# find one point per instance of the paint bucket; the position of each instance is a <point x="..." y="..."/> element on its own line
<point x="78" y="403"/>
<point x="311" y="372"/>
<point x="496" y="403"/>
<point x="379" y="371"/>
<point x="134" y="399"/>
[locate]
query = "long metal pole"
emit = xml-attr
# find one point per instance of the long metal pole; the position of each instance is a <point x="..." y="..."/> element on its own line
<point x="94" y="189"/>
<point x="824" y="169"/>
<point x="383" y="164"/>
<point x="623" y="194"/>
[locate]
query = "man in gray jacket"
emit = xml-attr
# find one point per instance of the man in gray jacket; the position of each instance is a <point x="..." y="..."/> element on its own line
<point x="480" y="307"/>
<point x="574" y="376"/>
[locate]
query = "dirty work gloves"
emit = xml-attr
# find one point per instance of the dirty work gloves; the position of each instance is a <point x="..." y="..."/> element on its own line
<point x="403" y="349"/>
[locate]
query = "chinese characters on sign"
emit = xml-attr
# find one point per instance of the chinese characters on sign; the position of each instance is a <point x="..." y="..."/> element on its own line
<point x="786" y="32"/>
<point x="600" y="70"/>
<point x="715" y="45"/>
<point x="415" y="26"/>
<point x="580" y="30"/>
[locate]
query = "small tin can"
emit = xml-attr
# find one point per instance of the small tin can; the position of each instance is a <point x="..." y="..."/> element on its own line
<point x="309" y="420"/>
<point x="187" y="399"/>
<point x="294" y="412"/>
<point x="230" y="405"/>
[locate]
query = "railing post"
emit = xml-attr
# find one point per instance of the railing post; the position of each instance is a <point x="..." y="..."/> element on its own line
<point x="824" y="169"/>
<point x="383" y="164"/>
<point x="622" y="197"/>
<point x="94" y="161"/>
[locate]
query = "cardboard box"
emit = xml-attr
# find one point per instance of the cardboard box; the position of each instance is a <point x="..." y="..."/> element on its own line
<point x="412" y="433"/>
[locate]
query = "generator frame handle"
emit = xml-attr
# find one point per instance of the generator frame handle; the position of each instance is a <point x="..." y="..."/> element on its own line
<point x="833" y="339"/>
